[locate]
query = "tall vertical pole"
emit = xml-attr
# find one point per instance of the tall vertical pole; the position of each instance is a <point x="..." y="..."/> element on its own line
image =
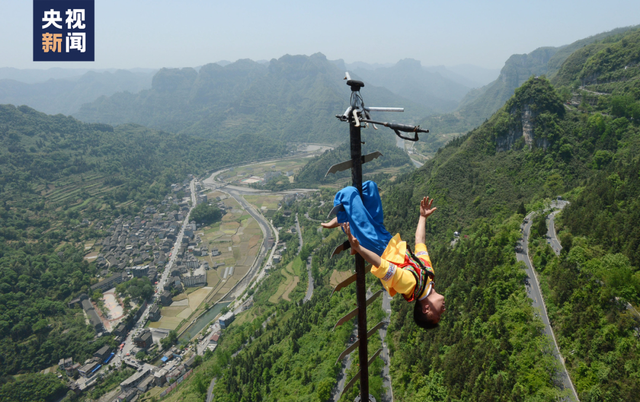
<point x="361" y="293"/>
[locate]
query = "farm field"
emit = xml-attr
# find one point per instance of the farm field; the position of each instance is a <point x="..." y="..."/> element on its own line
<point x="237" y="175"/>
<point x="292" y="274"/>
<point x="238" y="238"/>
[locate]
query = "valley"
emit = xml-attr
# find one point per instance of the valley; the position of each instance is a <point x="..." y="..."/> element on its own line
<point x="164" y="243"/>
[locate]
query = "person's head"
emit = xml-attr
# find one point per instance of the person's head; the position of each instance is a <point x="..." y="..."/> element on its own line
<point x="427" y="312"/>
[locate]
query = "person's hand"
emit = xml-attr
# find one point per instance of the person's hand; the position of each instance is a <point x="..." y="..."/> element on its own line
<point x="425" y="207"/>
<point x="355" y="244"/>
<point x="330" y="225"/>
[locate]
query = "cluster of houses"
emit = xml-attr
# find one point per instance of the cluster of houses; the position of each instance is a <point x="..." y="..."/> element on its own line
<point x="149" y="376"/>
<point x="281" y="247"/>
<point x="101" y="357"/>
<point x="140" y="247"/>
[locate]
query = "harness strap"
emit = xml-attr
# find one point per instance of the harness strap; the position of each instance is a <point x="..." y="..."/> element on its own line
<point x="420" y="273"/>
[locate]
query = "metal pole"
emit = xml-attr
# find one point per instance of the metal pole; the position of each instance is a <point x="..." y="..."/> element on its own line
<point x="361" y="293"/>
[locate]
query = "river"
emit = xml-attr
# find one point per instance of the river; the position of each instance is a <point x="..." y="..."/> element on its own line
<point x="202" y="321"/>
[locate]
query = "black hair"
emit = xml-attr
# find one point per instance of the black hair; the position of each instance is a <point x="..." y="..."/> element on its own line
<point x="421" y="318"/>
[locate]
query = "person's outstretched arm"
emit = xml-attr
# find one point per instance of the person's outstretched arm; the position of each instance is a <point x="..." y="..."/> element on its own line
<point x="425" y="211"/>
<point x="368" y="255"/>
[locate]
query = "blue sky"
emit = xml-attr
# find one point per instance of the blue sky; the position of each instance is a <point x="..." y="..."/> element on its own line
<point x="162" y="33"/>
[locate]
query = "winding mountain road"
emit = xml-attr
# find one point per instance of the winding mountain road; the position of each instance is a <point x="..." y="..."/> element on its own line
<point x="533" y="291"/>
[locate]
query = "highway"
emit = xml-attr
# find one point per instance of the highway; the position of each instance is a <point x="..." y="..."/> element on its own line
<point x="532" y="287"/>
<point x="213" y="182"/>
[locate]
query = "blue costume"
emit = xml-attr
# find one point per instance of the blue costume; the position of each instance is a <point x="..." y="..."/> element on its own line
<point x="364" y="215"/>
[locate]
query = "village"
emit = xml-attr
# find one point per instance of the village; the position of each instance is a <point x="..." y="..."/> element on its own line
<point x="187" y="274"/>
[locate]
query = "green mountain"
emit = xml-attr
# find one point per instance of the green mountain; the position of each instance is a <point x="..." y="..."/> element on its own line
<point x="409" y="79"/>
<point x="479" y="104"/>
<point x="294" y="98"/>
<point x="66" y="95"/>
<point x="534" y="148"/>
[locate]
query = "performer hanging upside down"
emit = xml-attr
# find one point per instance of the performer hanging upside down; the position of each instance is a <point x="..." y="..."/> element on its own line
<point x="397" y="267"/>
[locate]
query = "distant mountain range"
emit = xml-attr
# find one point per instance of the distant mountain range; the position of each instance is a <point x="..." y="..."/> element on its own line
<point x="65" y="90"/>
<point x="294" y="98"/>
<point x="409" y="79"/>
<point x="32" y="75"/>
<point x="212" y="91"/>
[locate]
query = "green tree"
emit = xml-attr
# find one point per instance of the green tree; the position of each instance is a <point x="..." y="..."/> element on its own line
<point x="205" y="214"/>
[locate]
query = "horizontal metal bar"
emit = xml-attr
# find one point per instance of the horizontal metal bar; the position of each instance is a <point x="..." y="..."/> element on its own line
<point x="384" y="109"/>
<point x="354" y="312"/>
<point x="335" y="210"/>
<point x="344" y="246"/>
<point x="356" y="343"/>
<point x="357" y="376"/>
<point x="350" y="280"/>
<point x="339" y="167"/>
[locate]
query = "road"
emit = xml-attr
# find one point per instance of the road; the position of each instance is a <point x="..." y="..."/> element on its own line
<point x="299" y="234"/>
<point x="386" y="377"/>
<point x="342" y="376"/>
<point x="551" y="227"/>
<point x="215" y="183"/>
<point x="309" y="294"/>
<point x="266" y="232"/>
<point x="210" y="390"/>
<point x="533" y="291"/>
<point x="139" y="325"/>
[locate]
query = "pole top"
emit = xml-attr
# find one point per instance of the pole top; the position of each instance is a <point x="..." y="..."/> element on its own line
<point x="355" y="85"/>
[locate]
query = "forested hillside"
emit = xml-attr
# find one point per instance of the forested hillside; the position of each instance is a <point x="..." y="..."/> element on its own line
<point x="294" y="98"/>
<point x="531" y="149"/>
<point x="61" y="180"/>
<point x="479" y="104"/>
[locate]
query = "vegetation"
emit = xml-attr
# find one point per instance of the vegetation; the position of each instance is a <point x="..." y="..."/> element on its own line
<point x="169" y="340"/>
<point x="61" y="182"/>
<point x="205" y="214"/>
<point x="137" y="289"/>
<point x="591" y="158"/>
<point x="479" y="104"/>
<point x="33" y="387"/>
<point x="489" y="345"/>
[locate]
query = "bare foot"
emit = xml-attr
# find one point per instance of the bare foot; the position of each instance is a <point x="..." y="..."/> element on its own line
<point x="331" y="225"/>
